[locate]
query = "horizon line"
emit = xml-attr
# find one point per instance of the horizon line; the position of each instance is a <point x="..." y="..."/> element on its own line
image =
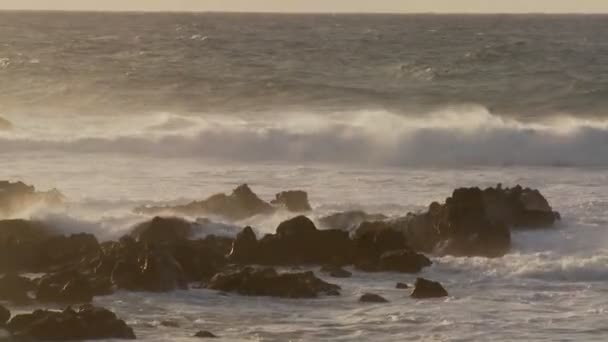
<point x="289" y="12"/>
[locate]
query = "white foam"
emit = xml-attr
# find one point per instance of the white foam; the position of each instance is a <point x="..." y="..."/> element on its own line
<point x="462" y="135"/>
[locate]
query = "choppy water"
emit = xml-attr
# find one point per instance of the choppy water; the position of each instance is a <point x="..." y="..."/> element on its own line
<point x="382" y="113"/>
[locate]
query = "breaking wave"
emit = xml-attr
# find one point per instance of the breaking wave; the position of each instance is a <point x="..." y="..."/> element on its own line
<point x="463" y="135"/>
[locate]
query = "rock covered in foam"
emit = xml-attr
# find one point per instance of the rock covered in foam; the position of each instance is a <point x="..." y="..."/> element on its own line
<point x="17" y="197"/>
<point x="242" y="203"/>
<point x="86" y="323"/>
<point x="349" y="220"/>
<point x="372" y="298"/>
<point x="294" y="201"/>
<point x="163" y="230"/>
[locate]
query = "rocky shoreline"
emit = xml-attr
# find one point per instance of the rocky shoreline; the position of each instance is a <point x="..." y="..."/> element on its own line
<point x="161" y="255"/>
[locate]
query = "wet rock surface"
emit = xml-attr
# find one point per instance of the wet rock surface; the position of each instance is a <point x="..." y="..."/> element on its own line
<point x="428" y="289"/>
<point x="85" y="323"/>
<point x="252" y="281"/>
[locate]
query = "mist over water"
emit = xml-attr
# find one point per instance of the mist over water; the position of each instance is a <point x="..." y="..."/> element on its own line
<point x="380" y="113"/>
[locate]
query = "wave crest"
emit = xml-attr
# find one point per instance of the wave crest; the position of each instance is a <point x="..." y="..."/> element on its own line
<point x="464" y="135"/>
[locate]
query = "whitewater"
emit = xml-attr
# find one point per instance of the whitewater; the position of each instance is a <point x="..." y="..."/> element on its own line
<point x="168" y="109"/>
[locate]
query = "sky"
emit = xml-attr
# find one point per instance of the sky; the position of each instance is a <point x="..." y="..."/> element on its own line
<point x="443" y="6"/>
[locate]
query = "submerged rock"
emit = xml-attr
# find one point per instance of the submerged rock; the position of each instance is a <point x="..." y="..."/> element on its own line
<point x="204" y="334"/>
<point x="86" y="323"/>
<point x="16" y="197"/>
<point x="268" y="282"/>
<point x="294" y="201"/>
<point x="372" y="298"/>
<point x="428" y="289"/>
<point x="402" y="286"/>
<point x="242" y="203"/>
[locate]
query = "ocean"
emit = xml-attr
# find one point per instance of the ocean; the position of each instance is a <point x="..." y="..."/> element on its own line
<point x="384" y="113"/>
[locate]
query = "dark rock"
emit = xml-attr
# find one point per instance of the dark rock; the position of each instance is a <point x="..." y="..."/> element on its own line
<point x="404" y="261"/>
<point x="402" y="286"/>
<point x="241" y="204"/>
<point x="66" y="287"/>
<point x="349" y="220"/>
<point x="297" y="242"/>
<point x="475" y="222"/>
<point x="267" y="282"/>
<point x="159" y="267"/>
<point x="29" y="246"/>
<point x="5" y="315"/>
<point x="202" y="259"/>
<point x="14" y="288"/>
<point x="204" y="334"/>
<point x="58" y="251"/>
<point x="154" y="271"/>
<point x="294" y="201"/>
<point x="163" y="230"/>
<point x="336" y="272"/>
<point x="16" y="197"/>
<point x="519" y="208"/>
<point x="380" y="247"/>
<point x="428" y="289"/>
<point x="372" y="298"/>
<point x="459" y="227"/>
<point x="244" y="248"/>
<point x="87" y="323"/>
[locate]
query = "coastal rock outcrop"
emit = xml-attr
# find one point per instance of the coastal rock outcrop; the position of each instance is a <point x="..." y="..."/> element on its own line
<point x="252" y="281"/>
<point x="86" y="323"/>
<point x="459" y="227"/>
<point x="475" y="222"/>
<point x="380" y="247"/>
<point x="242" y="203"/>
<point x="296" y="242"/>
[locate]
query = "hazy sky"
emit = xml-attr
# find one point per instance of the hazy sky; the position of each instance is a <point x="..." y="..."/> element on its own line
<point x="587" y="6"/>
